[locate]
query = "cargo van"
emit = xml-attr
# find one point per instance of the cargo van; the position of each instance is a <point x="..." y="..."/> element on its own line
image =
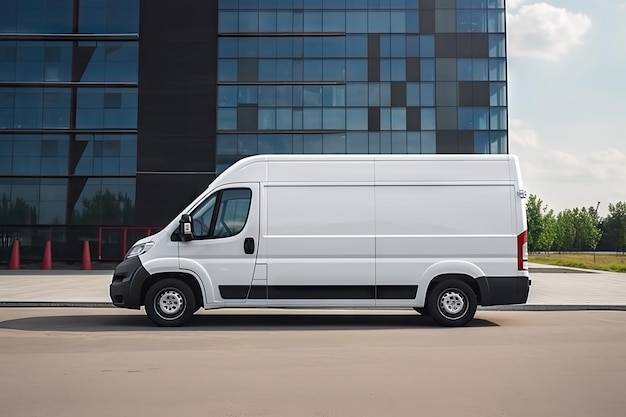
<point x="440" y="234"/>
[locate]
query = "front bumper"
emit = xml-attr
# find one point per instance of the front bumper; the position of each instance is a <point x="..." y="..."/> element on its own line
<point x="503" y="290"/>
<point x="128" y="279"/>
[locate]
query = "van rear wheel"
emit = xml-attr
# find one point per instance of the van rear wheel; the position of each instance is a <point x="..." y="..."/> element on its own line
<point x="170" y="303"/>
<point x="452" y="303"/>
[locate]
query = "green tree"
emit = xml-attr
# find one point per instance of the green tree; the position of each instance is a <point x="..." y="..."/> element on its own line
<point x="565" y="231"/>
<point x="105" y="208"/>
<point x="588" y="233"/>
<point x="615" y="225"/>
<point x="16" y="212"/>
<point x="541" y="225"/>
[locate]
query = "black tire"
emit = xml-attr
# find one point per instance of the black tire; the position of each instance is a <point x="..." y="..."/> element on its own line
<point x="422" y="310"/>
<point x="452" y="303"/>
<point x="170" y="303"/>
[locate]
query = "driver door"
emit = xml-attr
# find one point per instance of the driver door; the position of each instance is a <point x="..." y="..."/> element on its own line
<point x="225" y="240"/>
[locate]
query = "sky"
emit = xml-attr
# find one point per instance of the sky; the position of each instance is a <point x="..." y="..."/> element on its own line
<point x="567" y="99"/>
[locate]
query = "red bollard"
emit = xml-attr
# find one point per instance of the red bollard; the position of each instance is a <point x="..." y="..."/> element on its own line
<point x="14" y="262"/>
<point x="86" y="257"/>
<point x="46" y="264"/>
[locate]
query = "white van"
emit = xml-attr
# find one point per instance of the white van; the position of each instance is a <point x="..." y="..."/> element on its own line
<point x="437" y="233"/>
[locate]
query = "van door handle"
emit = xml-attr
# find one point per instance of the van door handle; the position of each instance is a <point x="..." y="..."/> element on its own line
<point x="248" y="245"/>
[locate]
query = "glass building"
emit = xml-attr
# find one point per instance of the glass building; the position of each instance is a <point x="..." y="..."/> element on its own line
<point x="115" y="113"/>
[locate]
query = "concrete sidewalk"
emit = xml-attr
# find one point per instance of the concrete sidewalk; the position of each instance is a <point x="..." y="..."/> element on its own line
<point x="553" y="288"/>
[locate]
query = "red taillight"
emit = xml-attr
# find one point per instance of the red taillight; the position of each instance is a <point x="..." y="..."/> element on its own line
<point x="522" y="251"/>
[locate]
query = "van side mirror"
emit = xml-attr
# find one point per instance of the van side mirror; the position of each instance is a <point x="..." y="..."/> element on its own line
<point x="186" y="232"/>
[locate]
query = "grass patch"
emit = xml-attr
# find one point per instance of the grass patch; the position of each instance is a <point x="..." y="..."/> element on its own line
<point x="600" y="262"/>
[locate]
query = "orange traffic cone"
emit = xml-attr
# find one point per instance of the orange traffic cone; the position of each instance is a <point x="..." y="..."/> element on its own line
<point x="86" y="257"/>
<point x="14" y="262"/>
<point x="47" y="256"/>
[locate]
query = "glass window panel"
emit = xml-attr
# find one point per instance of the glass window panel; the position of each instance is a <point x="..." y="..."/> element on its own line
<point x="374" y="142"/>
<point x="284" y="70"/>
<point x="267" y="70"/>
<point x="464" y="69"/>
<point x="284" y="119"/>
<point x="466" y="118"/>
<point x="495" y="4"/>
<point x="312" y="21"/>
<point x="357" y="94"/>
<point x="283" y="95"/>
<point x="267" y="21"/>
<point x="226" y="119"/>
<point x="427" y="69"/>
<point x="334" y="70"/>
<point x="284" y="47"/>
<point x="398" y="46"/>
<point x="356" y="70"/>
<point x="356" y="22"/>
<point x="398" y="118"/>
<point x="497" y="69"/>
<point x="498" y="142"/>
<point x="228" y="22"/>
<point x="429" y="142"/>
<point x="312" y="70"/>
<point x="334" y="95"/>
<point x="247" y="145"/>
<point x="356" y="118"/>
<point x="378" y="21"/>
<point x="385" y="118"/>
<point x="334" y="46"/>
<point x="297" y="119"/>
<point x="481" y="142"/>
<point x="334" y="143"/>
<point x="427" y="46"/>
<point x="497" y="94"/>
<point x="356" y="46"/>
<point x="497" y="46"/>
<point x="334" y="118"/>
<point x="313" y="47"/>
<point x="228" y="47"/>
<point x="267" y="119"/>
<point x="480" y="70"/>
<point x="398" y="70"/>
<point x="427" y="94"/>
<point x="312" y="144"/>
<point x="496" y="21"/>
<point x="413" y="142"/>
<point x="249" y="47"/>
<point x="374" y="94"/>
<point x="227" y="70"/>
<point x="267" y="47"/>
<point x="385" y="142"/>
<point x="334" y="21"/>
<point x="481" y="119"/>
<point x="385" y="70"/>
<point x="428" y="119"/>
<point x="267" y="95"/>
<point x="227" y="96"/>
<point x="385" y="46"/>
<point x="497" y="118"/>
<point x="312" y="95"/>
<point x="413" y="94"/>
<point x="247" y="94"/>
<point x="227" y="144"/>
<point x="413" y="46"/>
<point x="385" y="94"/>
<point x="479" y="20"/>
<point x="312" y="118"/>
<point x="398" y="22"/>
<point x="398" y="143"/>
<point x="248" y="21"/>
<point x="357" y="143"/>
<point x="284" y="21"/>
<point x="412" y="22"/>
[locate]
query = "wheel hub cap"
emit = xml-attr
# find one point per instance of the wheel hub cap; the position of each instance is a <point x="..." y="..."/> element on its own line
<point x="171" y="302"/>
<point x="452" y="303"/>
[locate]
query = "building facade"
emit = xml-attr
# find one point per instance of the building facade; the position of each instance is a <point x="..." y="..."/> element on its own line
<point x="115" y="113"/>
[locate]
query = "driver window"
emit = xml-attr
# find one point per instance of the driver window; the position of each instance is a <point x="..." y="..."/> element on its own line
<point x="202" y="217"/>
<point x="230" y="218"/>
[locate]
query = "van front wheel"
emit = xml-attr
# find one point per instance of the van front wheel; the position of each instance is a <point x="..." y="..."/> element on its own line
<point x="170" y="303"/>
<point x="452" y="303"/>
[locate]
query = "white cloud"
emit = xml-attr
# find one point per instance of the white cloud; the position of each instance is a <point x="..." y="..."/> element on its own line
<point x="543" y="31"/>
<point x="514" y="4"/>
<point x="521" y="136"/>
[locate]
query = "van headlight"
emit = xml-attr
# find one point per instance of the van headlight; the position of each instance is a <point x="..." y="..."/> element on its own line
<point x="139" y="249"/>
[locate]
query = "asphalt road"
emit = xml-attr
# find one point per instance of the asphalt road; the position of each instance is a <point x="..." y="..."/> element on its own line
<point x="104" y="362"/>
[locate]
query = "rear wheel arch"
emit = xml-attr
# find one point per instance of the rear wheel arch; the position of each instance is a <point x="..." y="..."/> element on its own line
<point x="461" y="277"/>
